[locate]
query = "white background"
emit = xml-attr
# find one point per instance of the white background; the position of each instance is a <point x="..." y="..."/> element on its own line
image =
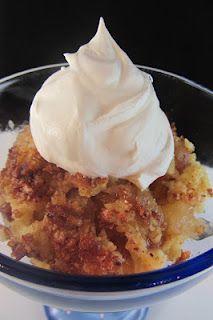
<point x="194" y="304"/>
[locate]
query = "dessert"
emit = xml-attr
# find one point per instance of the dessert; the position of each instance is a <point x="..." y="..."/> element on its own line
<point x="99" y="183"/>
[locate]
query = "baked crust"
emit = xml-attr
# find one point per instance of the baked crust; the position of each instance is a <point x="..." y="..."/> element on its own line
<point x="79" y="225"/>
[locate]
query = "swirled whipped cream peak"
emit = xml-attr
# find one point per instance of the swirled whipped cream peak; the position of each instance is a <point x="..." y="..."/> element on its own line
<point x="100" y="116"/>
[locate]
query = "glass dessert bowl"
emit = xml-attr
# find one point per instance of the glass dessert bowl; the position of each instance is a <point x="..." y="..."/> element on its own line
<point x="100" y="186"/>
<point x="182" y="101"/>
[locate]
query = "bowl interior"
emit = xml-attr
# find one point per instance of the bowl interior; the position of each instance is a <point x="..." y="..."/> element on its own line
<point x="189" y="106"/>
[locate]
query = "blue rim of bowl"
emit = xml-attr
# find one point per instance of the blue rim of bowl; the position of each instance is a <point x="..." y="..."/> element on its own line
<point x="121" y="283"/>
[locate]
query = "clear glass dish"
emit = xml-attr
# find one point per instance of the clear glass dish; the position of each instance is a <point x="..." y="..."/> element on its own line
<point x="187" y="104"/>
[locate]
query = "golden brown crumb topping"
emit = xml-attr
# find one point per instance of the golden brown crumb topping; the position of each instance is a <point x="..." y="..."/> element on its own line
<point x="76" y="224"/>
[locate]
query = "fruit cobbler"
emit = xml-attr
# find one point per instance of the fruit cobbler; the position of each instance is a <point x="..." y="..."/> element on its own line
<point x="99" y="226"/>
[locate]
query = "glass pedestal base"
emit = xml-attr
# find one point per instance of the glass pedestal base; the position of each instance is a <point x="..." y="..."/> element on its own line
<point x="58" y="314"/>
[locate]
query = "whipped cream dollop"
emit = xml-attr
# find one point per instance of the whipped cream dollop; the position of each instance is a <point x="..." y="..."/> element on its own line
<point x="100" y="116"/>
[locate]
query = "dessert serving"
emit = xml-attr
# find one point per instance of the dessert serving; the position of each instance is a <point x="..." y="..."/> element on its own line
<point x="99" y="182"/>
